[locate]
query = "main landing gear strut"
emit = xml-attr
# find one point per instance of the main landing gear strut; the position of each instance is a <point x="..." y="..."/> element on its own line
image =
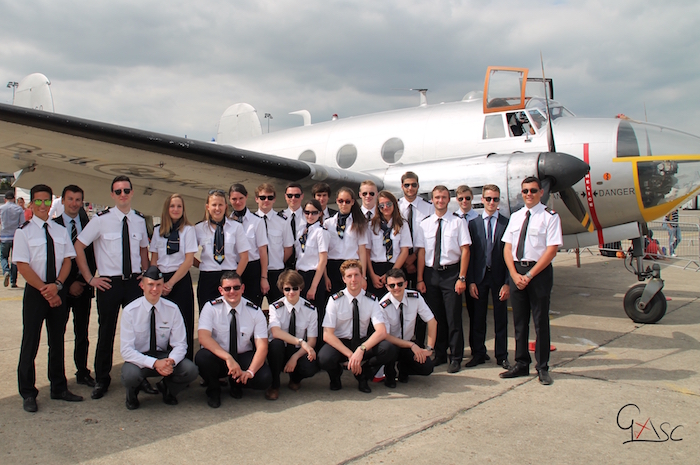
<point x="644" y="303"/>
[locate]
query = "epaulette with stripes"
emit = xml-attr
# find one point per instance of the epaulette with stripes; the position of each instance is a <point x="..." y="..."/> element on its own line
<point x="25" y="223"/>
<point x="216" y="301"/>
<point x="337" y="295"/>
<point x="251" y="304"/>
<point x="139" y="214"/>
<point x="106" y="210"/>
<point x="279" y="304"/>
<point x="384" y="303"/>
<point x="308" y="304"/>
<point x="371" y="296"/>
<point x="412" y="294"/>
<point x="282" y="215"/>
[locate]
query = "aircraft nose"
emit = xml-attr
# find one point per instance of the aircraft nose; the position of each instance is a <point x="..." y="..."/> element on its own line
<point x="562" y="169"/>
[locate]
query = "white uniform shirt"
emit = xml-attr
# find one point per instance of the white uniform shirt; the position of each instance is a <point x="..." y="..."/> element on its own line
<point x="543" y="230"/>
<point x="365" y="210"/>
<point x="254" y="228"/>
<point x="306" y="318"/>
<point x="455" y="234"/>
<point x="159" y="244"/>
<point x="235" y="243"/>
<point x="299" y="219"/>
<point x="413" y="306"/>
<point x="30" y="245"/>
<point x="279" y="236"/>
<point x="348" y="247"/>
<point x="105" y="230"/>
<point x="403" y="239"/>
<point x="339" y="313"/>
<point x="135" y="334"/>
<point x="316" y="243"/>
<point x="250" y="321"/>
<point x="421" y="209"/>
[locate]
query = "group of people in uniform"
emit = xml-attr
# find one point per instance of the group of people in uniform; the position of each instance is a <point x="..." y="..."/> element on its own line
<point x="378" y="283"/>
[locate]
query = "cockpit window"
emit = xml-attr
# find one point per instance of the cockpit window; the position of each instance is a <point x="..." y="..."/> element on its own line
<point x="537" y="118"/>
<point x="493" y="127"/>
<point x="519" y="124"/>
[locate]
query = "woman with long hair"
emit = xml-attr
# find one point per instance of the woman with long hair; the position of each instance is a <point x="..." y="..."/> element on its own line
<point x="173" y="246"/>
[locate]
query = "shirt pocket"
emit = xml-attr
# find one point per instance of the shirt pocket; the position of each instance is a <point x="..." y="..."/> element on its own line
<point x="143" y="336"/>
<point x="229" y="244"/>
<point x="275" y="237"/>
<point x="59" y="247"/>
<point x="113" y="242"/>
<point x="164" y="331"/>
<point x="246" y="330"/>
<point x="343" y="316"/>
<point x="37" y="247"/>
<point x="537" y="234"/>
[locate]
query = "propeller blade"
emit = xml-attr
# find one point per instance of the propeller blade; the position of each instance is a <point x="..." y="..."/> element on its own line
<point x="575" y="206"/>
<point x="550" y="132"/>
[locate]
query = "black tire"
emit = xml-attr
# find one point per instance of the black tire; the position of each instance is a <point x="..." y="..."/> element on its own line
<point x="652" y="313"/>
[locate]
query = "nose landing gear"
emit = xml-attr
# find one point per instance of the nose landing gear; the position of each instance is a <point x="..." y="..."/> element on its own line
<point x="644" y="303"/>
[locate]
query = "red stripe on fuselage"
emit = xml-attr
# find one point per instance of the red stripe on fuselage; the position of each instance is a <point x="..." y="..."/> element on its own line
<point x="589" y="197"/>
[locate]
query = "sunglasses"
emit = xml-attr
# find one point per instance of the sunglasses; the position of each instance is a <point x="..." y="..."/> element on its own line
<point x="365" y="194"/>
<point x="290" y="289"/>
<point x="385" y="205"/>
<point x="466" y="197"/>
<point x="309" y="212"/>
<point x="127" y="191"/>
<point x="491" y="199"/>
<point x="217" y="191"/>
<point x="534" y="190"/>
<point x="410" y="184"/>
<point x="343" y="201"/>
<point x="296" y="196"/>
<point x="235" y="288"/>
<point x="46" y="202"/>
<point x="266" y="197"/>
<point x="393" y="285"/>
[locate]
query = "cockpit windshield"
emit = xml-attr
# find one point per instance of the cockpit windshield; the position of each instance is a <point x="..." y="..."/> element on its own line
<point x="537" y="107"/>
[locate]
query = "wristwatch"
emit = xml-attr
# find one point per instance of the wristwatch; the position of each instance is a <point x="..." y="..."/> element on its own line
<point x="59" y="285"/>
<point x="463" y="279"/>
<point x="364" y="349"/>
<point x="529" y="276"/>
<point x="429" y="348"/>
<point x="301" y="341"/>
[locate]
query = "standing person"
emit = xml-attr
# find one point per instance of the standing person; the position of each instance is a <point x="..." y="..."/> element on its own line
<point x="532" y="239"/>
<point x="321" y="191"/>
<point x="293" y="331"/>
<point x="172" y="248"/>
<point x="56" y="208"/>
<point x="389" y="242"/>
<point x="153" y="342"/>
<point x="294" y="196"/>
<point x="11" y="218"/>
<point x="467" y="213"/>
<point x="255" y="277"/>
<point x="27" y="211"/>
<point x="368" y="195"/>
<point x="80" y="294"/>
<point x="280" y="241"/>
<point x="346" y="331"/>
<point x="43" y="253"/>
<point x="121" y="252"/>
<point x="443" y="263"/>
<point x="233" y="335"/>
<point x="221" y="240"/>
<point x="674" y="231"/>
<point x="348" y="237"/>
<point x="402" y="308"/>
<point x="487" y="273"/>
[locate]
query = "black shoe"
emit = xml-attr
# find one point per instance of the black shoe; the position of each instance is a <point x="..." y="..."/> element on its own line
<point x="168" y="396"/>
<point x="236" y="391"/>
<point x="132" y="400"/>
<point x="454" y="366"/>
<point x="363" y="386"/>
<point x="67" y="396"/>
<point x="146" y="387"/>
<point x="545" y="378"/>
<point x="486" y="357"/>
<point x="214" y="401"/>
<point x="515" y="372"/>
<point x="336" y="385"/>
<point x="204" y="383"/>
<point x="30" y="404"/>
<point x="99" y="391"/>
<point x="403" y="378"/>
<point x="505" y="364"/>
<point x="390" y="383"/>
<point x="474" y="361"/>
<point x="85" y="379"/>
<point x="440" y="359"/>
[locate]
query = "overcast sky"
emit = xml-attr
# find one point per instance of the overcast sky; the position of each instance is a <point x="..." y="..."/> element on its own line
<point x="174" y="66"/>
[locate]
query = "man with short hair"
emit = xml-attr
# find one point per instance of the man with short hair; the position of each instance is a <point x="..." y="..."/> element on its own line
<point x="80" y="294"/>
<point x="11" y="218"/>
<point x="233" y="335"/>
<point x="532" y="239"/>
<point x="402" y="308"/>
<point x="121" y="253"/>
<point x="368" y="194"/>
<point x="321" y="191"/>
<point x="442" y="276"/>
<point x="294" y="196"/>
<point x="464" y="197"/>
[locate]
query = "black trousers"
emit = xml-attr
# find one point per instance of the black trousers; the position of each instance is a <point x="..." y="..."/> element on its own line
<point x="477" y="322"/>
<point x="330" y="359"/>
<point x="470" y="304"/>
<point x="407" y="365"/>
<point x="35" y="309"/>
<point x="251" y="281"/>
<point x="279" y="354"/>
<point x="380" y="269"/>
<point x="333" y="271"/>
<point x="319" y="302"/>
<point x="208" y="287"/>
<point x="212" y="368"/>
<point x="274" y="294"/>
<point x="446" y="305"/>
<point x="421" y="326"/>
<point x="80" y="306"/>
<point x="534" y="299"/>
<point x="183" y="373"/>
<point x="121" y="294"/>
<point x="182" y="295"/>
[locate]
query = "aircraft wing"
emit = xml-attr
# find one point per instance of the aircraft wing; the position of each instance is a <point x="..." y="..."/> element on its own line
<point x="58" y="150"/>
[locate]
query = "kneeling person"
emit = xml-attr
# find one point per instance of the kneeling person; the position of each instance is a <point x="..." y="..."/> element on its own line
<point x="293" y="332"/>
<point x="154" y="342"/>
<point x="233" y="335"/>
<point x="346" y="331"/>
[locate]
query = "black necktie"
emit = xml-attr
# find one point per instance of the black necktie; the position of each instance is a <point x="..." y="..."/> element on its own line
<point x="489" y="241"/>
<point x="355" y="342"/>
<point x="401" y="317"/>
<point x="73" y="231"/>
<point x="153" y="347"/>
<point x="303" y="237"/>
<point x="369" y="215"/>
<point x="293" y="323"/>
<point x="410" y="224"/>
<point x="438" y="245"/>
<point x="520" y="251"/>
<point x="340" y="227"/>
<point x="294" y="225"/>
<point x="126" y="250"/>
<point x="233" y="336"/>
<point x="388" y="243"/>
<point x="238" y="215"/>
<point x="218" y="250"/>
<point x="173" y="238"/>
<point x="291" y="263"/>
<point x="50" y="256"/>
<point x="267" y="233"/>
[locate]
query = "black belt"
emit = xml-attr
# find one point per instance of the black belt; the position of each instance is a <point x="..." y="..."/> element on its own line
<point x="123" y="278"/>
<point x="526" y="263"/>
<point x="488" y="268"/>
<point x="446" y="267"/>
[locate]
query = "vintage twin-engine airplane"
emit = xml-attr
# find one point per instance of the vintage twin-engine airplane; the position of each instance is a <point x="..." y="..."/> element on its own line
<point x="606" y="177"/>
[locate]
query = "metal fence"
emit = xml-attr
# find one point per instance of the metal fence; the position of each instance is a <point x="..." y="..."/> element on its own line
<point x="688" y="248"/>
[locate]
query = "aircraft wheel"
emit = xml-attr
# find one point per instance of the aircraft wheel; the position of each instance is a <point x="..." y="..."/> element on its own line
<point x="653" y="312"/>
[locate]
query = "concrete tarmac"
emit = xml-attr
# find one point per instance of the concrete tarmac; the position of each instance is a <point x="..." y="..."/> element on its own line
<point x="603" y="363"/>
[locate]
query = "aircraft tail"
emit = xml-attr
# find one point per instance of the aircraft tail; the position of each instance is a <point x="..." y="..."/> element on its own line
<point x="239" y="121"/>
<point x="33" y="91"/>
